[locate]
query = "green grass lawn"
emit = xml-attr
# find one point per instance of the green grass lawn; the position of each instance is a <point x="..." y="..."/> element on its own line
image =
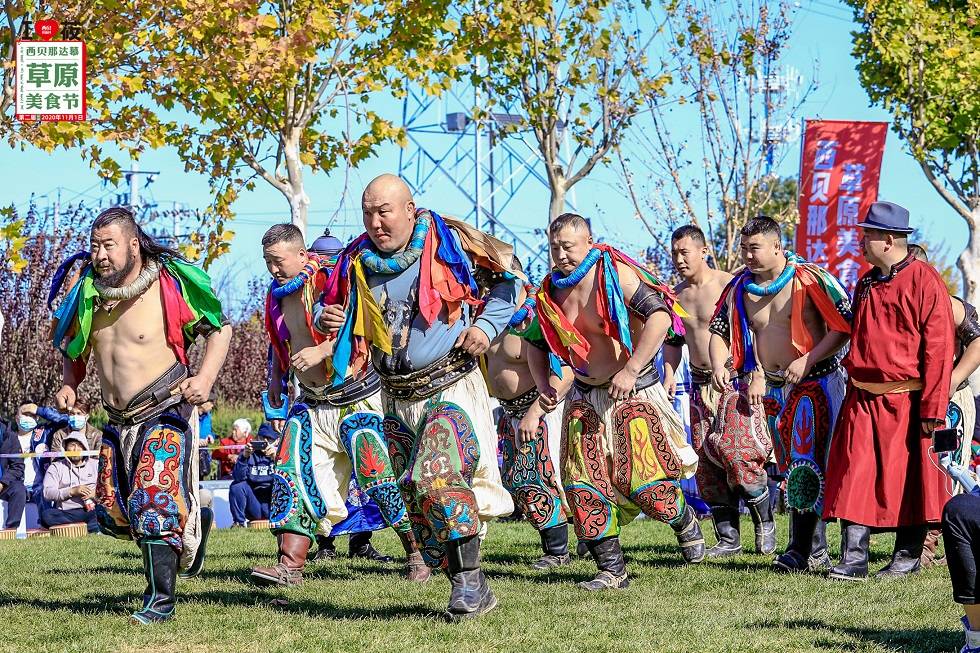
<point x="75" y="595"/>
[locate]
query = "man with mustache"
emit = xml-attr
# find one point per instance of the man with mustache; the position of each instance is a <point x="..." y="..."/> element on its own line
<point x="135" y="309"/>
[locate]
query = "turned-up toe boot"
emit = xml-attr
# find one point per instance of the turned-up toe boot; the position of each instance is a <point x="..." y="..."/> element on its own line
<point x="608" y="556"/>
<point x="207" y="520"/>
<point x="855" y="539"/>
<point x="160" y="571"/>
<point x="471" y="595"/>
<point x="725" y="520"/>
<point x="796" y="557"/>
<point x="554" y="544"/>
<point x="689" y="536"/>
<point x="908" y="551"/>
<point x="293" y="548"/>
<point x="760" y="508"/>
<point x="416" y="570"/>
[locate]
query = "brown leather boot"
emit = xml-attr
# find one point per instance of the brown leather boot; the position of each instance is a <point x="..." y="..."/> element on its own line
<point x="293" y="548"/>
<point x="416" y="571"/>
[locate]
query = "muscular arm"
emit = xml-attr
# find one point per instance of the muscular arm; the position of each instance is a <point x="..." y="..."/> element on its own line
<point x="72" y="374"/>
<point x="215" y="350"/>
<point x="968" y="332"/>
<point x="672" y="360"/>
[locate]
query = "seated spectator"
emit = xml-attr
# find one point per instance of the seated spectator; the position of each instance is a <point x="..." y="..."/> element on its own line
<point x="12" y="488"/>
<point x="961" y="536"/>
<point x="77" y="423"/>
<point x="227" y="455"/>
<point x="69" y="484"/>
<point x="36" y="439"/>
<point x="250" y="494"/>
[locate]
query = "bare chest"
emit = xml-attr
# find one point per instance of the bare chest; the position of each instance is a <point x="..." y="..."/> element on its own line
<point x="135" y="321"/>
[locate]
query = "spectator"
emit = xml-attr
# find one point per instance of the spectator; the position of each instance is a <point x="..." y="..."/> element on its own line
<point x="961" y="535"/>
<point x="77" y="423"/>
<point x="227" y="456"/>
<point x="250" y="494"/>
<point x="35" y="440"/>
<point x="205" y="435"/>
<point x="12" y="488"/>
<point x="69" y="484"/>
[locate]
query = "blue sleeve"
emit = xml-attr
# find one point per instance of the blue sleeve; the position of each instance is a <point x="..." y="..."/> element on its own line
<point x="501" y="302"/>
<point x="240" y="471"/>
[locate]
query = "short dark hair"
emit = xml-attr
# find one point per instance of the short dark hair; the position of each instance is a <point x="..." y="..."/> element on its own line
<point x="761" y="224"/>
<point x="573" y="220"/>
<point x="149" y="248"/>
<point x="283" y="233"/>
<point x="83" y="406"/>
<point x="689" y="231"/>
<point x="918" y="251"/>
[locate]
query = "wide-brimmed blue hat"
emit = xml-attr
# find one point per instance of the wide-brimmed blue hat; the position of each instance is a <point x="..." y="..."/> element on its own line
<point x="887" y="216"/>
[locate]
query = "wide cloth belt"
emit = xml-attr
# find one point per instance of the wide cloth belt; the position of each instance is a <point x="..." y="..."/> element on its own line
<point x="648" y="376"/>
<point x="350" y="392"/>
<point x="889" y="387"/>
<point x="423" y="383"/>
<point x="818" y="371"/>
<point x="517" y="407"/>
<point x="151" y="401"/>
<point x="700" y="376"/>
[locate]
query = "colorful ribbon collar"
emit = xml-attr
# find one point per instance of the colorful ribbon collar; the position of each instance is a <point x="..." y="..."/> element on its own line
<point x="402" y="260"/>
<point x="778" y="283"/>
<point x="279" y="291"/>
<point x="578" y="273"/>
<point x="526" y="309"/>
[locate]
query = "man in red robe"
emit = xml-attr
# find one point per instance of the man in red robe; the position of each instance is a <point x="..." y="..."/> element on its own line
<point x="881" y="472"/>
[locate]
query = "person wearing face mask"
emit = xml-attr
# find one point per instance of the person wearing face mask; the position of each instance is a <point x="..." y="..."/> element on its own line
<point x="69" y="484"/>
<point x="78" y="424"/>
<point x="32" y="437"/>
<point x="12" y="489"/>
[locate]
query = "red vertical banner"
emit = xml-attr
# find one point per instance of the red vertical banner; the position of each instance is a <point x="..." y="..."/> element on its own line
<point x="839" y="171"/>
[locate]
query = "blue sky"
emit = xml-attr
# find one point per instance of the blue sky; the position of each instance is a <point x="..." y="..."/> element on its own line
<point x="821" y="43"/>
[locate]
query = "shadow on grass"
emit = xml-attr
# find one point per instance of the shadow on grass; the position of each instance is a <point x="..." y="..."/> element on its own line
<point x="900" y="640"/>
<point x="124" y="604"/>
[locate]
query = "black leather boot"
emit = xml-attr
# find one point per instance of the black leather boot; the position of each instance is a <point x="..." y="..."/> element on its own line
<point x="689" y="536"/>
<point x="471" y="595"/>
<point x="160" y="571"/>
<point x="797" y="554"/>
<point x="325" y="549"/>
<point x="554" y="544"/>
<point x="207" y="519"/>
<point x="608" y="556"/>
<point x="725" y="520"/>
<point x="819" y="561"/>
<point x="853" y="565"/>
<point x="760" y="508"/>
<point x="359" y="546"/>
<point x="909" y="541"/>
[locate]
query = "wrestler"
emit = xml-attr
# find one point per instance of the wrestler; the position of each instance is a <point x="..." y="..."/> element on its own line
<point x="530" y="438"/>
<point x="332" y="432"/>
<point x="783" y="322"/>
<point x="424" y="296"/>
<point x="135" y="309"/>
<point x="624" y="449"/>
<point x="730" y="467"/>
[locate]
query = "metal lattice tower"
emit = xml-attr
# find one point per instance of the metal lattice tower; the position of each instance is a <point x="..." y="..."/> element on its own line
<point x="478" y="167"/>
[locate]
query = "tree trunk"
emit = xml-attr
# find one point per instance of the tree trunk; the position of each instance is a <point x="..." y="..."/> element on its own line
<point x="557" y="205"/>
<point x="299" y="201"/>
<point x="969" y="261"/>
